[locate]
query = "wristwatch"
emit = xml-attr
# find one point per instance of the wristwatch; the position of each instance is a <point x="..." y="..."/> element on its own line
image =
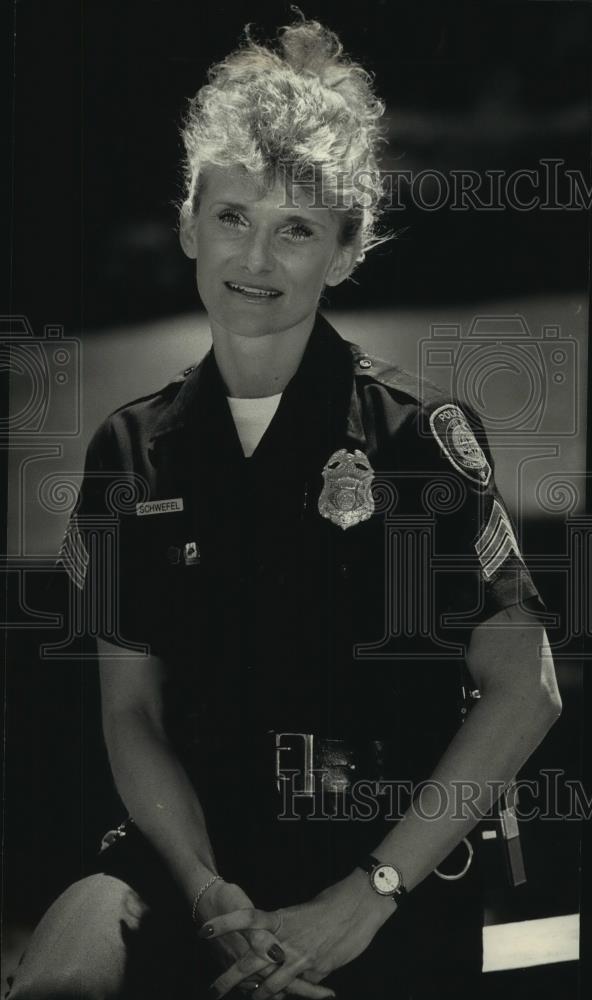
<point x="386" y="880"/>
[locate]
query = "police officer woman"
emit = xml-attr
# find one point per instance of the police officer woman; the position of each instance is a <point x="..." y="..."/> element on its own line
<point x="252" y="664"/>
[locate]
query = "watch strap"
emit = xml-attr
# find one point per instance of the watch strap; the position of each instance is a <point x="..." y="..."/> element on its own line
<point x="369" y="863"/>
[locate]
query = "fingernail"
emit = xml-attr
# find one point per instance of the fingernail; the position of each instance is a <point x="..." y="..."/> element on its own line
<point x="206" y="931"/>
<point x="276" y="953"/>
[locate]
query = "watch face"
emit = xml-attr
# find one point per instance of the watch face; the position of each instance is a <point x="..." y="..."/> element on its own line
<point x="386" y="879"/>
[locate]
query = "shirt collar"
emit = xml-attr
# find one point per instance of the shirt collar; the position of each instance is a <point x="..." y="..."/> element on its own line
<point x="324" y="378"/>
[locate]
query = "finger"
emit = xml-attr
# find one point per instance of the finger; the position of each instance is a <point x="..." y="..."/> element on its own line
<point x="249" y="985"/>
<point x="303" y="988"/>
<point x="298" y="988"/>
<point x="282" y="978"/>
<point x="265" y="945"/>
<point x="236" y="973"/>
<point x="239" y="920"/>
<point x="313" y="976"/>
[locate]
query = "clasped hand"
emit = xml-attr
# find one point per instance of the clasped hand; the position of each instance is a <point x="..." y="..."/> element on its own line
<point x="316" y="938"/>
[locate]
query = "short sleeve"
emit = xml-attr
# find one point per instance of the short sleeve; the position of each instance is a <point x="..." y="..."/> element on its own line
<point x="107" y="593"/>
<point x="478" y="566"/>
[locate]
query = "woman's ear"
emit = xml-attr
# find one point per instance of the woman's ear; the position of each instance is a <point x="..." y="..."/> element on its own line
<point x="342" y="264"/>
<point x="187" y="236"/>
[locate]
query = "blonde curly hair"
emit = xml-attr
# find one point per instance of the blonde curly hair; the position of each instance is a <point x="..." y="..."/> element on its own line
<point x="305" y="112"/>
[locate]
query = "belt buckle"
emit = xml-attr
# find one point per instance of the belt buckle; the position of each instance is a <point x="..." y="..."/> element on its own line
<point x="307" y="754"/>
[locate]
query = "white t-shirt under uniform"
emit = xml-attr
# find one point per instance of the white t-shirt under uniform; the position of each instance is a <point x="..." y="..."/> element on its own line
<point x="252" y="417"/>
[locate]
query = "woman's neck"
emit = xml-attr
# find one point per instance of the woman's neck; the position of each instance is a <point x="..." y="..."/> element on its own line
<point x="252" y="367"/>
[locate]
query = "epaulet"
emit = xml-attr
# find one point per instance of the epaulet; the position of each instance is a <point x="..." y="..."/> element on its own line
<point x="166" y="389"/>
<point x="181" y="376"/>
<point x="423" y="392"/>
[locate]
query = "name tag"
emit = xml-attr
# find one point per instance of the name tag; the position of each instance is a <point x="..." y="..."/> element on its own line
<point x="159" y="506"/>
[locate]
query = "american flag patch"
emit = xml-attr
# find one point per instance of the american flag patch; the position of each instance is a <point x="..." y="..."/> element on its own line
<point x="73" y="554"/>
<point x="496" y="541"/>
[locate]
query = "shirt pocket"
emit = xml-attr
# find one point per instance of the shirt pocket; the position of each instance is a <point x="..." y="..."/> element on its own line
<point x="162" y="577"/>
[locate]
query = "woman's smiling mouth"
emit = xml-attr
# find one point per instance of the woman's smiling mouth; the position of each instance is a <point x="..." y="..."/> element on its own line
<point x="253" y="291"/>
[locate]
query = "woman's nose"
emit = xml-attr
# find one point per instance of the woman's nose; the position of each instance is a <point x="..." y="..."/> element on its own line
<point x="257" y="253"/>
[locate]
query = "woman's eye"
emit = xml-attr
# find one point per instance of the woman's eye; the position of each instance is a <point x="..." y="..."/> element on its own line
<point x="230" y="218"/>
<point x="299" y="232"/>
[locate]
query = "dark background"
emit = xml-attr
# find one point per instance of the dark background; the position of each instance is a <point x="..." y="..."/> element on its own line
<point x="97" y="91"/>
<point x="100" y="87"/>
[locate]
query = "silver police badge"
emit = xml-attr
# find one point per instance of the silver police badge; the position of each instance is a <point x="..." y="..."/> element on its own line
<point x="456" y="439"/>
<point x="346" y="498"/>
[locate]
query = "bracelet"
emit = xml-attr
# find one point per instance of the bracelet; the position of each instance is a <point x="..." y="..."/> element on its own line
<point x="200" y="893"/>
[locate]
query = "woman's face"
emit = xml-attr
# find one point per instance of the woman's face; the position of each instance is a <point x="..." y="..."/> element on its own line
<point x="261" y="258"/>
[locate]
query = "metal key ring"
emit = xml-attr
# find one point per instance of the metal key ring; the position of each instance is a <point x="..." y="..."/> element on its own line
<point x="464" y="869"/>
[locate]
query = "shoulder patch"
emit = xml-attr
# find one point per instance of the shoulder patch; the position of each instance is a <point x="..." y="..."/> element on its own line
<point x="453" y="433"/>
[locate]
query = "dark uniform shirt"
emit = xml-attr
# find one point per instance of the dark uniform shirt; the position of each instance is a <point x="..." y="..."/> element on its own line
<point x="270" y="613"/>
<point x="328" y="584"/>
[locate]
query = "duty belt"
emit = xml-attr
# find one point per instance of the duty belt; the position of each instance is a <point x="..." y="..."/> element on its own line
<point x="305" y="765"/>
<point x="318" y="763"/>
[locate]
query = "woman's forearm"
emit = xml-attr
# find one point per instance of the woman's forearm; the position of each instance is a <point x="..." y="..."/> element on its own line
<point x="159" y="796"/>
<point x="497" y="738"/>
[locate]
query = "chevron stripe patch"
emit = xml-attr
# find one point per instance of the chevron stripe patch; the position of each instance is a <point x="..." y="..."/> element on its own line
<point x="496" y="541"/>
<point x="73" y="554"/>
